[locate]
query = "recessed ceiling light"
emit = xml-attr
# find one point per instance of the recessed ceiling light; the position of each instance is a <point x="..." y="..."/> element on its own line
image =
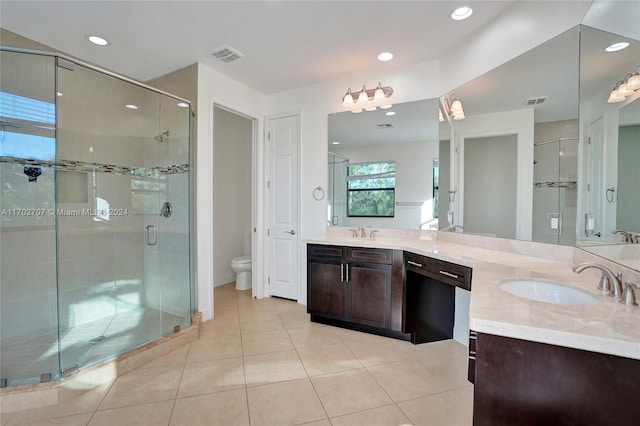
<point x="390" y="113"/>
<point x="131" y="106"/>
<point x="183" y="105"/>
<point x="335" y="143"/>
<point x="617" y="46"/>
<point x="461" y="13"/>
<point x="97" y="40"/>
<point x="385" y="56"/>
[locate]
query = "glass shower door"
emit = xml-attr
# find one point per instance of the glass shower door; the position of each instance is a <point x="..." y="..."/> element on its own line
<point x="29" y="319"/>
<point x="161" y="196"/>
<point x="106" y="145"/>
<point x="173" y="214"/>
<point x="555" y="191"/>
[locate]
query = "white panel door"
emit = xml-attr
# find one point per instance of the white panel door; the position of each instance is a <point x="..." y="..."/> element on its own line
<point x="283" y="207"/>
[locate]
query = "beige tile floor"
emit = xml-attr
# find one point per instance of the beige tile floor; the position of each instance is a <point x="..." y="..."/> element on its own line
<point x="262" y="362"/>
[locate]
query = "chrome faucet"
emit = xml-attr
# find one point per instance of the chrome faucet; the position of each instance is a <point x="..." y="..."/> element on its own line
<point x="626" y="236"/>
<point x="609" y="282"/>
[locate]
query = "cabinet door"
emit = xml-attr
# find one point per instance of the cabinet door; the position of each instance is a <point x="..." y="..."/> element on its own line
<point x="325" y="289"/>
<point x="369" y="294"/>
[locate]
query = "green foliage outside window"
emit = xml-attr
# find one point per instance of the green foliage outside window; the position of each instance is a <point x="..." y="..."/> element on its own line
<point x="371" y="189"/>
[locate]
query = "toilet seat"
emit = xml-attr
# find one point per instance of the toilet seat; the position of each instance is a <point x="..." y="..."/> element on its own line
<point x="241" y="260"/>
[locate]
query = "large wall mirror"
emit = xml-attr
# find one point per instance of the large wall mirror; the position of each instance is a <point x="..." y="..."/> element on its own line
<point x="514" y="155"/>
<point x="609" y="220"/>
<point x="520" y="164"/>
<point x="383" y="167"/>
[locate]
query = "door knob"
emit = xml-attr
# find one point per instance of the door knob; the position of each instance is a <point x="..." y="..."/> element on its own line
<point x="292" y="232"/>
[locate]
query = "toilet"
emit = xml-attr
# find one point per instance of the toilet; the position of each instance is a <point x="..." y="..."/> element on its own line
<point x="242" y="267"/>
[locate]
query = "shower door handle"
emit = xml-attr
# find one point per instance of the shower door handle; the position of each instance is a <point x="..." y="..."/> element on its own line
<point x="152" y="235"/>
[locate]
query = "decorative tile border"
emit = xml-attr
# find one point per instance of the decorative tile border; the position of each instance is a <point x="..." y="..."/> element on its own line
<point x="82" y="166"/>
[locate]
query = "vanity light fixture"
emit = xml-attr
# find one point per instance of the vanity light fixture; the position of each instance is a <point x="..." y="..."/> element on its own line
<point x="461" y="13"/>
<point x="626" y="87"/>
<point x="369" y="100"/>
<point x="453" y="108"/>
<point x="97" y="40"/>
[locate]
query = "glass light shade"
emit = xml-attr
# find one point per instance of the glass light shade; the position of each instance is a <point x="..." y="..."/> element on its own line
<point x="456" y="106"/>
<point x="347" y="100"/>
<point x="615" y="97"/>
<point x="634" y="82"/>
<point x="363" y="97"/>
<point x="440" y="117"/>
<point x="356" y="111"/>
<point x="379" y="93"/>
<point x="458" y="115"/>
<point x="624" y="90"/>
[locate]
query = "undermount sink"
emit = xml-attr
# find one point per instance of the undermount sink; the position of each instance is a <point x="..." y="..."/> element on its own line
<point x="548" y="291"/>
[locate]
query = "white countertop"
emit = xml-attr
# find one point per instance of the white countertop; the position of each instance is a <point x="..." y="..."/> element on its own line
<point x="607" y="327"/>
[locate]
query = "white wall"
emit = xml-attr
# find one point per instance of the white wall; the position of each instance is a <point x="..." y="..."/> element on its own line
<point x="215" y="88"/>
<point x="490" y="190"/>
<point x="232" y="137"/>
<point x="519" y="123"/>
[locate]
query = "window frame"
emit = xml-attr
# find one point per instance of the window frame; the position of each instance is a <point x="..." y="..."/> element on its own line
<point x="391" y="190"/>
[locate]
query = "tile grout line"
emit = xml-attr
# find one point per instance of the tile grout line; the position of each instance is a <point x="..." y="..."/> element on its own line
<point x="175" y="399"/>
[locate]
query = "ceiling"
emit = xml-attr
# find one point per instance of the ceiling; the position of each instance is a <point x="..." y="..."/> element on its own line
<point x="412" y="122"/>
<point x="285" y="44"/>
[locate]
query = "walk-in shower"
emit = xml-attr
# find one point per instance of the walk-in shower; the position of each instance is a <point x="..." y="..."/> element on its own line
<point x="91" y="263"/>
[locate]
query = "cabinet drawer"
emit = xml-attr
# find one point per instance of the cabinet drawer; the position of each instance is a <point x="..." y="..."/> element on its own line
<point x="320" y="251"/>
<point x="446" y="272"/>
<point x="369" y="255"/>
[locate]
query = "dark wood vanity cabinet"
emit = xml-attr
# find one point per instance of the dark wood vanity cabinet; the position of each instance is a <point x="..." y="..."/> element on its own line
<point x="355" y="287"/>
<point x="519" y="382"/>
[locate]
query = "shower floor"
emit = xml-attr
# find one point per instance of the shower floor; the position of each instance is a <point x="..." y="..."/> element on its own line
<point x="24" y="361"/>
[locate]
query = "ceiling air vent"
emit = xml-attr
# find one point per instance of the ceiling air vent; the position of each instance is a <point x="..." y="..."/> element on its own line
<point x="535" y="101"/>
<point x="226" y="54"/>
<point x="385" y="126"/>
